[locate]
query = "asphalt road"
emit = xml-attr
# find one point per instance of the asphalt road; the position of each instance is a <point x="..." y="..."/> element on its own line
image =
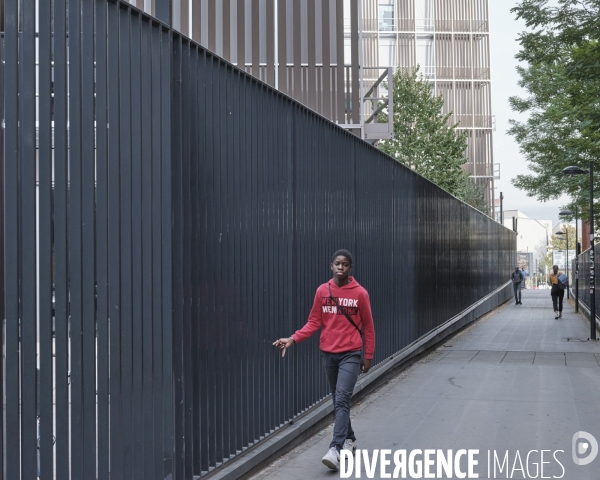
<point x="515" y="383"/>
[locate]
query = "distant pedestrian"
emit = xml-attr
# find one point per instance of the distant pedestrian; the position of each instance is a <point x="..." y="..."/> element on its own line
<point x="524" y="273"/>
<point x="343" y="310"/>
<point x="518" y="280"/>
<point x="556" y="292"/>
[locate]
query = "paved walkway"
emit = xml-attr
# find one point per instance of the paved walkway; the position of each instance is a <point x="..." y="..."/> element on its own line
<point x="517" y="380"/>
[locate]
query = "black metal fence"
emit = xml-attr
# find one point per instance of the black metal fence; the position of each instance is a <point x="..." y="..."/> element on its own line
<point x="584" y="279"/>
<point x="165" y="220"/>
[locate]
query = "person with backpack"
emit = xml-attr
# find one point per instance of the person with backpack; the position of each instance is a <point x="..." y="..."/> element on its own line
<point x="518" y="280"/>
<point x="342" y="310"/>
<point x="558" y="283"/>
<point x="525" y="274"/>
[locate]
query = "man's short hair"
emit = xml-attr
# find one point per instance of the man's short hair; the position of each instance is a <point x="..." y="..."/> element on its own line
<point x="343" y="253"/>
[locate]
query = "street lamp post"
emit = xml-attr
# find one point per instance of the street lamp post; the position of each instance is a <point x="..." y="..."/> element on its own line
<point x="577" y="252"/>
<point x="579" y="171"/>
<point x="569" y="213"/>
<point x="566" y="257"/>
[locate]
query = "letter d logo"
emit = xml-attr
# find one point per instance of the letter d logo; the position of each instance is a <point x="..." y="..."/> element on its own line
<point x="584" y="447"/>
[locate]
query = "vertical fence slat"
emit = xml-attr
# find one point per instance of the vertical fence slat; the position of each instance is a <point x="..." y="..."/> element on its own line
<point x="61" y="241"/>
<point x="137" y="330"/>
<point x="46" y="413"/>
<point x="236" y="282"/>
<point x="12" y="462"/>
<point x="177" y="255"/>
<point x="2" y="291"/>
<point x="147" y="311"/>
<point x="88" y="252"/>
<point x="125" y="244"/>
<point x="167" y="249"/>
<point x="114" y="234"/>
<point x="75" y="238"/>
<point x="195" y="190"/>
<point x="102" y="238"/>
<point x="186" y="251"/>
<point x="28" y="220"/>
<point x="200" y="339"/>
<point x="157" y="318"/>
<point x="211" y="254"/>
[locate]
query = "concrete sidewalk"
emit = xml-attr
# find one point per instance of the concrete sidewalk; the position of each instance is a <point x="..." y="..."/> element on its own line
<point x="516" y="381"/>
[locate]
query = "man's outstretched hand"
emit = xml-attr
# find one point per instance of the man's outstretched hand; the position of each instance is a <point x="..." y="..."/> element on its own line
<point x="365" y="365"/>
<point x="283" y="344"/>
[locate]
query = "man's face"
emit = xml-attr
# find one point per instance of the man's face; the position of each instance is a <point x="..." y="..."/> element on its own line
<point x="341" y="267"/>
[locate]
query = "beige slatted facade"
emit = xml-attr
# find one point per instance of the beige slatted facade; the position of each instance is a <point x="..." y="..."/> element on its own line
<point x="449" y="39"/>
<point x="297" y="46"/>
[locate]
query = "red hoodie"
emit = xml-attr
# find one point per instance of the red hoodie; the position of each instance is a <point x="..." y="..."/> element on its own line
<point x="338" y="334"/>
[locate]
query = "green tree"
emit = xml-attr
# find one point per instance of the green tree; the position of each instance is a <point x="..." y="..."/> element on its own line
<point x="561" y="78"/>
<point x="472" y="194"/>
<point x="424" y="140"/>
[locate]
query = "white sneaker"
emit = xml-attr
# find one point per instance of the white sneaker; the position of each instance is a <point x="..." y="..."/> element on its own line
<point x="349" y="445"/>
<point x="332" y="459"/>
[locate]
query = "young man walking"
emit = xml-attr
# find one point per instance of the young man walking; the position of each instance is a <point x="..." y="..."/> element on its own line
<point x="343" y="310"/>
<point x="517" y="279"/>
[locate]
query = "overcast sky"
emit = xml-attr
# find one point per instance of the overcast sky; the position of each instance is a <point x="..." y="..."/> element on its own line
<point x="504" y="31"/>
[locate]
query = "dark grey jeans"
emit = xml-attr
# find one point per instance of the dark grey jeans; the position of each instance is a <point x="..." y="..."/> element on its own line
<point x="342" y="370"/>
<point x="517" y="289"/>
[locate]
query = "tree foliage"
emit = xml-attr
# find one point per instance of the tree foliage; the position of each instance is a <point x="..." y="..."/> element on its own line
<point x="425" y="142"/>
<point x="561" y="78"/>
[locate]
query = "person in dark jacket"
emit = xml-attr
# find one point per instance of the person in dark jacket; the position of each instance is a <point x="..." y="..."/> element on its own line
<point x="341" y="310"/>
<point x="518" y="280"/>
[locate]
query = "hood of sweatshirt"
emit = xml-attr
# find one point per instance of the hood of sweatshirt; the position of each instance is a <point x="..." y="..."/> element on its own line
<point x="351" y="284"/>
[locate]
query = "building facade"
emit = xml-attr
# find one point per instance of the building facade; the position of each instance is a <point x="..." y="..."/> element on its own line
<point x="449" y="40"/>
<point x="328" y="54"/>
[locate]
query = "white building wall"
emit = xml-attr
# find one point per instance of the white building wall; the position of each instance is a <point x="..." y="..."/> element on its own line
<point x="532" y="235"/>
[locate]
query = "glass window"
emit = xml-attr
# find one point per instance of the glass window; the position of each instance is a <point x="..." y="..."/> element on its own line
<point x="386" y="18"/>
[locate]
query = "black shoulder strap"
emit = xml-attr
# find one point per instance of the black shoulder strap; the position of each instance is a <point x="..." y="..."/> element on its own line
<point x="343" y="311"/>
